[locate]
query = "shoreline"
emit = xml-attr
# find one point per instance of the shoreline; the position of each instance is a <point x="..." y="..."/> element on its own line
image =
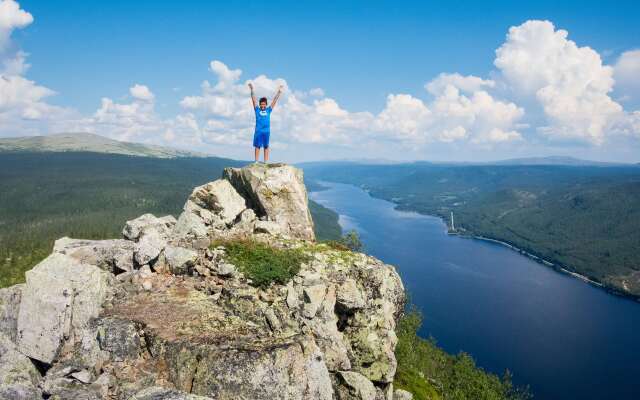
<point x="545" y="262"/>
<point x="557" y="267"/>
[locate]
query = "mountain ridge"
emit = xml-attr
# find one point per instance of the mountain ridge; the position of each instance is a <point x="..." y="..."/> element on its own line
<point x="89" y="142"/>
<point x="521" y="161"/>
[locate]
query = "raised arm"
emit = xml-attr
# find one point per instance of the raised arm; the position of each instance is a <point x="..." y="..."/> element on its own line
<point x="253" y="96"/>
<point x="276" y="97"/>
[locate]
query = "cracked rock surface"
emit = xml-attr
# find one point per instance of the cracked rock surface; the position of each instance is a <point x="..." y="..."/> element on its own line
<point x="164" y="314"/>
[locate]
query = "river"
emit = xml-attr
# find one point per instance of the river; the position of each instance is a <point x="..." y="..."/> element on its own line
<point x="558" y="334"/>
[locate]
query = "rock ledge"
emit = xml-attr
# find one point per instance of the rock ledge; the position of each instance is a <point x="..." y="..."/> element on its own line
<point x="161" y="314"/>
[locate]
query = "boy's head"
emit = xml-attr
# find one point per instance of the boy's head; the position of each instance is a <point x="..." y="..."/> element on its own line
<point x="263" y="103"/>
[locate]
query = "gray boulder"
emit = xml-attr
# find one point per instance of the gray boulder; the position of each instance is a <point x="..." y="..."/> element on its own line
<point x="275" y="192"/>
<point x="353" y="386"/>
<point x="150" y="234"/>
<point x="135" y="228"/>
<point x="400" y="394"/>
<point x="120" y="338"/>
<point x="19" y="378"/>
<point x="210" y="211"/>
<point x="9" y="306"/>
<point x="149" y="246"/>
<point x="220" y="198"/>
<point x="114" y="255"/>
<point x="180" y="260"/>
<point x="288" y="370"/>
<point x="313" y="296"/>
<point x="60" y="297"/>
<point x="160" y="393"/>
<point x="190" y="227"/>
<point x="269" y="227"/>
<point x="349" y="297"/>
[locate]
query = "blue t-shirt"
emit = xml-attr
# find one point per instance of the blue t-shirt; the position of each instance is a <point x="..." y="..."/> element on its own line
<point x="263" y="118"/>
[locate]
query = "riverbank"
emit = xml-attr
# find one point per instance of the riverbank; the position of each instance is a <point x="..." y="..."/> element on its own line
<point x="553" y="332"/>
<point x="556" y="266"/>
<point x="546" y="262"/>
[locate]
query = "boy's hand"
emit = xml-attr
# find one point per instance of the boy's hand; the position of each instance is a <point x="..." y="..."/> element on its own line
<point x="280" y="88"/>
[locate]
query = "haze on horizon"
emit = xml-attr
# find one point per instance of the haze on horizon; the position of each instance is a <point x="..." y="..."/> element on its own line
<point x="402" y="81"/>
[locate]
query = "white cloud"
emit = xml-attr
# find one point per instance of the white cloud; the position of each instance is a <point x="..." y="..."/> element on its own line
<point x="23" y="106"/>
<point x="316" y="92"/>
<point x="537" y="64"/>
<point x="16" y="65"/>
<point x="225" y="109"/>
<point x="141" y="92"/>
<point x="627" y="75"/>
<point x="311" y="117"/>
<point x="134" y="121"/>
<point x="22" y="97"/>
<point x="452" y="115"/>
<point x="405" y="115"/>
<point x="468" y="83"/>
<point x="11" y="17"/>
<point x="570" y="82"/>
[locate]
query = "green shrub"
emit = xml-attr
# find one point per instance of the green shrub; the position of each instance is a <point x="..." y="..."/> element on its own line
<point x="262" y="263"/>
<point x="349" y="241"/>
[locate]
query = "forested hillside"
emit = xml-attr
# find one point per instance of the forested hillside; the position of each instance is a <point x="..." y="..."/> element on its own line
<point x="585" y="218"/>
<point x="44" y="196"/>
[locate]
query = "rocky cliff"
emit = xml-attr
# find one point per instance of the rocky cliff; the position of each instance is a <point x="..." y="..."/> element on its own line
<point x="164" y="313"/>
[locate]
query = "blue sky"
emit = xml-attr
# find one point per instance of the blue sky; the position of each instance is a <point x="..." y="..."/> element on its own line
<point x="358" y="53"/>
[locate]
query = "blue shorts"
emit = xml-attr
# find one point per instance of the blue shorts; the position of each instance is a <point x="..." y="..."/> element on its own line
<point x="261" y="139"/>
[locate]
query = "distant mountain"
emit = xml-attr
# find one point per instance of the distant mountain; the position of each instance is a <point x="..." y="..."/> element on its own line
<point x="75" y="142"/>
<point x="551" y="160"/>
<point x="555" y="160"/>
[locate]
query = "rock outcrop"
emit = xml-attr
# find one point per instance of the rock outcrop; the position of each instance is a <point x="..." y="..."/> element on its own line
<point x="277" y="194"/>
<point x="164" y="313"/>
<point x="19" y="378"/>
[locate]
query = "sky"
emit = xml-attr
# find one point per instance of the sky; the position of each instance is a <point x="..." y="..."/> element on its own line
<point x="392" y="80"/>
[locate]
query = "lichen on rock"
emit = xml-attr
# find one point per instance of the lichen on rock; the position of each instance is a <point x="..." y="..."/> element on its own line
<point x="164" y="313"/>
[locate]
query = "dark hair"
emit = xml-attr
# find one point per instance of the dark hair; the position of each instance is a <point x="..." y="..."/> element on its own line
<point x="262" y="100"/>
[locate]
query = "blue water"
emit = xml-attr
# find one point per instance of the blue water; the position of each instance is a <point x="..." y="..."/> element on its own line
<point x="563" y="337"/>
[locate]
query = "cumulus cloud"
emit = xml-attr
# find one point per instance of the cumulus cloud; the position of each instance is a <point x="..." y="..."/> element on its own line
<point x="461" y="110"/>
<point x="23" y="106"/>
<point x="141" y="92"/>
<point x="20" y="96"/>
<point x="226" y="117"/>
<point x="568" y="85"/>
<point x="468" y="83"/>
<point x="570" y="82"/>
<point x="11" y="17"/>
<point x="133" y="121"/>
<point x="627" y="75"/>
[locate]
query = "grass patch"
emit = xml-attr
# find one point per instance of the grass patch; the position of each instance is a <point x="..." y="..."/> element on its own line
<point x="430" y="373"/>
<point x="262" y="263"/>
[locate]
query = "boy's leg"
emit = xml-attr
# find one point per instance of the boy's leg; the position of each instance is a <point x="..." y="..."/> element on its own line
<point x="266" y="147"/>
<point x="257" y="153"/>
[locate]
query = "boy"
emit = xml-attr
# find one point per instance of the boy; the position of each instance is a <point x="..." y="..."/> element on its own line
<point x="263" y="123"/>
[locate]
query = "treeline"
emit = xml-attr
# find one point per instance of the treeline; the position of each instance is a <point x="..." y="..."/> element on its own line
<point x="44" y="196"/>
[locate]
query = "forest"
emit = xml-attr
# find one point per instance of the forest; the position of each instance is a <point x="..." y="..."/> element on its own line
<point x="45" y="196"/>
<point x="584" y="219"/>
